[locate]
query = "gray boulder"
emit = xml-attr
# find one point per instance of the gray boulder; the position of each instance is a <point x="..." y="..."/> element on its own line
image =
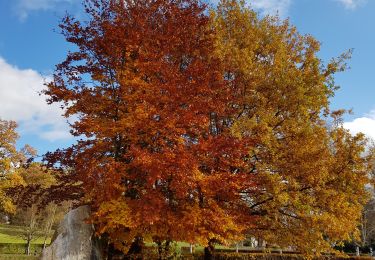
<point x="74" y="240"/>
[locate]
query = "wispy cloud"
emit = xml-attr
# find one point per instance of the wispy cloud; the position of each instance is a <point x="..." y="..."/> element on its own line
<point x="281" y="7"/>
<point x="351" y="4"/>
<point x="20" y="101"/>
<point x="365" y="124"/>
<point x="25" y="7"/>
<point x="271" y="7"/>
<point x="267" y="7"/>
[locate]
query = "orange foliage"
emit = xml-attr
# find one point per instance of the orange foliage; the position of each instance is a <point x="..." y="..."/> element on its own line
<point x="197" y="127"/>
<point x="158" y="157"/>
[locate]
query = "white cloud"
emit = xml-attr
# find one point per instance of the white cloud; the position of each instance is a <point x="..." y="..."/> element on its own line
<point x="364" y="125"/>
<point x="351" y="4"/>
<point x="24" y="7"/>
<point x="20" y="101"/>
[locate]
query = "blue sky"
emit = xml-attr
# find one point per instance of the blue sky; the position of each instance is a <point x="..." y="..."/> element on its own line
<point x="30" y="47"/>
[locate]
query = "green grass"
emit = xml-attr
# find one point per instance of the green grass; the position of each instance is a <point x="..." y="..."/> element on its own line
<point x="12" y="245"/>
<point x="18" y="257"/>
<point x="5" y="238"/>
<point x="11" y="234"/>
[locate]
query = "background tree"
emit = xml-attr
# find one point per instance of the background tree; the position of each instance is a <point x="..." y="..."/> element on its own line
<point x="10" y="160"/>
<point x="24" y="187"/>
<point x="49" y="221"/>
<point x="52" y="215"/>
<point x="367" y="225"/>
<point x="31" y="226"/>
<point x="35" y="217"/>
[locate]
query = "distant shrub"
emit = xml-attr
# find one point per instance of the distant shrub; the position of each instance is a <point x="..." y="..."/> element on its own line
<point x="18" y="257"/>
<point x="257" y="256"/>
<point x="252" y="256"/>
<point x="15" y="248"/>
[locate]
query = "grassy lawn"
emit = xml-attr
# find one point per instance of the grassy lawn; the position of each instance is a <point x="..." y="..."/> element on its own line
<point x="18" y="257"/>
<point x="5" y="238"/>
<point x="11" y="234"/>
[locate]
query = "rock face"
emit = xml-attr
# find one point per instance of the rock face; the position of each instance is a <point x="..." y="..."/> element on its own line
<point x="74" y="239"/>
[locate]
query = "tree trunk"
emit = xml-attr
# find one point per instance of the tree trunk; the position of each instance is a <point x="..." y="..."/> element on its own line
<point x="110" y="251"/>
<point x="163" y="251"/>
<point x="167" y="248"/>
<point x="45" y="242"/>
<point x="160" y="249"/>
<point x="28" y="246"/>
<point x="209" y="250"/>
<point x="49" y="225"/>
<point x="136" y="248"/>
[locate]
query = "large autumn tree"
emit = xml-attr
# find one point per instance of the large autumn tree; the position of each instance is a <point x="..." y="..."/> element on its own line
<point x="200" y="127"/>
<point x="157" y="159"/>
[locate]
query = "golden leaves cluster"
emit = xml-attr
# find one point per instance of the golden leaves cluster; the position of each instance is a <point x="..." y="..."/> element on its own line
<point x="10" y="158"/>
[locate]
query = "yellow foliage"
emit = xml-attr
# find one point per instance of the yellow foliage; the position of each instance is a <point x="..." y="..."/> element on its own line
<point x="311" y="176"/>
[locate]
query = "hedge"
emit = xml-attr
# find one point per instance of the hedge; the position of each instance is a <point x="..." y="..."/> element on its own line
<point x="251" y="256"/>
<point x="15" y="248"/>
<point x="18" y="257"/>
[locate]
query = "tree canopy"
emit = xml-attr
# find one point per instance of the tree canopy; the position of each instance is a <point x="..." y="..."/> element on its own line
<point x="311" y="172"/>
<point x="10" y="159"/>
<point x="199" y="125"/>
